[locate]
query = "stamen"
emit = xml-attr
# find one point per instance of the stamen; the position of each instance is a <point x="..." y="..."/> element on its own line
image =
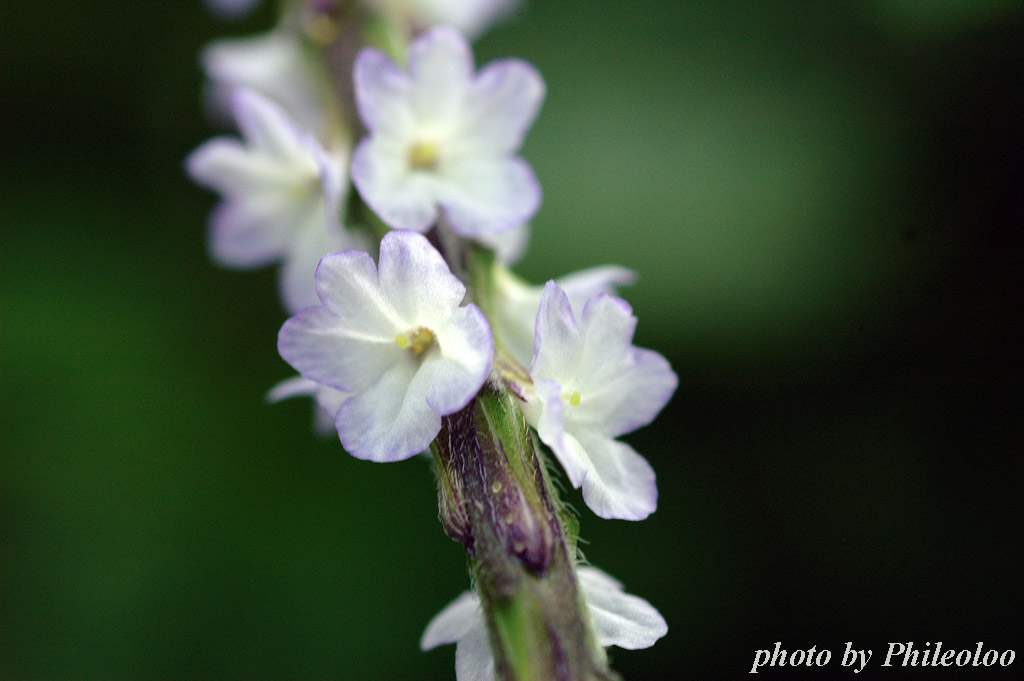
<point x="423" y="156"/>
<point x="573" y="399"/>
<point x="419" y="343"/>
<point x="300" y="191"/>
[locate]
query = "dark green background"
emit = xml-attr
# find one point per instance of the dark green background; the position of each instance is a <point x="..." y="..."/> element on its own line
<point x="824" y="203"/>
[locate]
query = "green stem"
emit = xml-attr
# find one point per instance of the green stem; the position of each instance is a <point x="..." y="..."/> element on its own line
<point x="522" y="556"/>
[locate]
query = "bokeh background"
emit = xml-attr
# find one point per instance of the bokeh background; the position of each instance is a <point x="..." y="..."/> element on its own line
<point x="824" y="203"/>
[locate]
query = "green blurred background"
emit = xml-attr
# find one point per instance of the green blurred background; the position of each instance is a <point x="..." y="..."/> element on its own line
<point x="824" y="203"/>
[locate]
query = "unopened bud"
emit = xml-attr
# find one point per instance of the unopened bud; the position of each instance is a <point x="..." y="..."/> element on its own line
<point x="451" y="500"/>
<point x="516" y="499"/>
<point x="489" y="481"/>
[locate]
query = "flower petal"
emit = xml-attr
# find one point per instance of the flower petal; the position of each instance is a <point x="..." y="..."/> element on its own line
<point x="473" y="658"/>
<point x="515" y="315"/>
<point x="266" y="125"/>
<point x="403" y="200"/>
<point x="417" y="280"/>
<point x="454" y="622"/>
<point x="225" y="165"/>
<point x="608" y="325"/>
<point x="556" y="341"/>
<point x="632" y="398"/>
<point x="469" y="16"/>
<point x="328" y="400"/>
<point x="548" y="418"/>
<point x="246" y="235"/>
<point x="623" y="387"/>
<point x="273" y="64"/>
<point x="382" y="93"/>
<point x="310" y="244"/>
<point x="316" y="344"/>
<point x="583" y="285"/>
<point x="505" y="98"/>
<point x="296" y="386"/>
<point x="482" y="194"/>
<point x="440" y="69"/>
<point x="389" y="421"/>
<point x="619" y="482"/>
<point x="347" y="283"/>
<point x="450" y="380"/>
<point x="620" y="619"/>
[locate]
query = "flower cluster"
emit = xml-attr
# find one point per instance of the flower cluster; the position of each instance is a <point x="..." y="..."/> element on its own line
<point x="390" y="345"/>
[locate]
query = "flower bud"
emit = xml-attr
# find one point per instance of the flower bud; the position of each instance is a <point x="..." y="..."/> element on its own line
<point x="451" y="501"/>
<point x="489" y="481"/>
<point x="515" y="486"/>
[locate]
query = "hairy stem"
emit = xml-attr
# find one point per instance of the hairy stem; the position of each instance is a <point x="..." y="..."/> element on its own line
<point x="495" y="494"/>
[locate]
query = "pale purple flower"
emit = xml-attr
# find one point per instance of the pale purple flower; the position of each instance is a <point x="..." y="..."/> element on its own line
<point x="591" y="385"/>
<point x="516" y="302"/>
<point x="471" y="17"/>
<point x="397" y="338"/>
<point x="273" y="64"/>
<point x="281" y="195"/>
<point x="618" y="619"/>
<point x="443" y="139"/>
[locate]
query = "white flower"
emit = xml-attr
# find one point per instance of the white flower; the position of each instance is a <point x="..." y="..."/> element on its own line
<point x="471" y="17"/>
<point x="516" y="302"/>
<point x="281" y="195"/>
<point x="592" y="385"/>
<point x="397" y="339"/>
<point x="273" y="64"/>
<point x="328" y="400"/>
<point x="619" y="619"/>
<point x="443" y="139"/>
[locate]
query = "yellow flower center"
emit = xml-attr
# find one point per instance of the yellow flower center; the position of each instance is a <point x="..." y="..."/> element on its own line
<point x="423" y="156"/>
<point x="300" y="191"/>
<point x="573" y="399"/>
<point x="417" y="342"/>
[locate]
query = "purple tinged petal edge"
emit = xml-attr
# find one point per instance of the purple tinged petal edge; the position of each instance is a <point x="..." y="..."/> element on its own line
<point x="338" y="260"/>
<point x="551" y="295"/>
<point x="641" y="356"/>
<point x="370" y="63"/>
<point x="532" y="94"/>
<point x="290" y="339"/>
<point x="436" y="36"/>
<point x="604" y="299"/>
